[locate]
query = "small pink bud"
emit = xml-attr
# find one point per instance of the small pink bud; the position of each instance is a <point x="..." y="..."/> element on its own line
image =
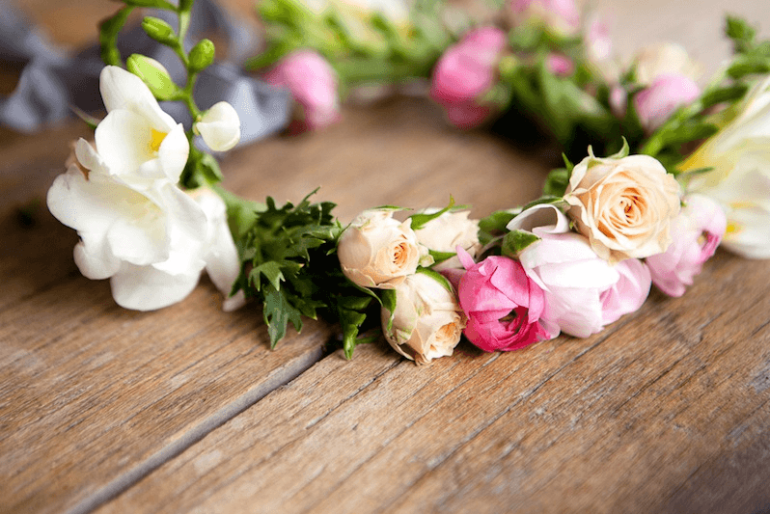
<point x="560" y="65"/>
<point x="664" y="95"/>
<point x="313" y="85"/>
<point x="465" y="72"/>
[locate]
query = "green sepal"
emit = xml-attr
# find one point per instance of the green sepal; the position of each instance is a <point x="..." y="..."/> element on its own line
<point x="516" y="241"/>
<point x="439" y="257"/>
<point x="388" y="300"/>
<point x="420" y="220"/>
<point x="108" y="36"/>
<point x="201" y="55"/>
<point x="622" y="153"/>
<point x="567" y="163"/>
<point x="438" y="277"/>
<point x="159" y="30"/>
<point x="494" y="225"/>
<point x="158" y="80"/>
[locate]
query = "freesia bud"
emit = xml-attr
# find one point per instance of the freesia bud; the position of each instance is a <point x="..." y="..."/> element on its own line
<point x="158" y="30"/>
<point x="202" y="55"/>
<point x="154" y="75"/>
<point x="220" y="127"/>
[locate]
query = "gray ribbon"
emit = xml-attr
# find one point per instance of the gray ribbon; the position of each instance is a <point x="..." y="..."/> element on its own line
<point x="52" y="81"/>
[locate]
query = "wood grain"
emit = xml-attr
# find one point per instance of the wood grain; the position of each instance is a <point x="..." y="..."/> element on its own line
<point x="651" y="415"/>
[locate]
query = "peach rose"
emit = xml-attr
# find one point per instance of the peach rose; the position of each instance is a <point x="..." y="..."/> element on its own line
<point x="427" y="322"/>
<point x="624" y="206"/>
<point x="379" y="251"/>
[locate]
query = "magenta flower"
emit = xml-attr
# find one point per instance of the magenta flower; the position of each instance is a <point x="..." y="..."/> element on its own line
<point x="313" y="85"/>
<point x="502" y="304"/>
<point x="696" y="234"/>
<point x="465" y="73"/>
<point x="662" y="97"/>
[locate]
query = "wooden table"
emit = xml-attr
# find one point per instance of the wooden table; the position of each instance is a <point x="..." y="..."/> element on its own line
<point x="188" y="410"/>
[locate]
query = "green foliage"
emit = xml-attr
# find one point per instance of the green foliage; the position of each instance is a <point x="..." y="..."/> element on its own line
<point x="290" y="264"/>
<point x="420" y="220"/>
<point x="201" y="55"/>
<point x="493" y="226"/>
<point x="516" y="241"/>
<point x="556" y="183"/>
<point x="108" y="36"/>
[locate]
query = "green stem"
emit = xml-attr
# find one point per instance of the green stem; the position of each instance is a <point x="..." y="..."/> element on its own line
<point x="366" y="70"/>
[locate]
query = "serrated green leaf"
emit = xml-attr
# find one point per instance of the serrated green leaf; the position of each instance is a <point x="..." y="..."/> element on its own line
<point x="278" y="313"/>
<point x="272" y="272"/>
<point x="516" y="241"/>
<point x="420" y="220"/>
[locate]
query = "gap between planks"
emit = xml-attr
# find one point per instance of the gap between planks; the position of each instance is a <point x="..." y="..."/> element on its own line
<point x="123" y="482"/>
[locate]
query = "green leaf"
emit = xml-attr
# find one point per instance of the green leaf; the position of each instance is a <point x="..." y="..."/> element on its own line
<point x="567" y="163"/>
<point x="516" y="241"/>
<point x="556" y="183"/>
<point x="623" y="152"/>
<point x="278" y="313"/>
<point x="494" y="225"/>
<point x="744" y="65"/>
<point x="438" y="277"/>
<point x="272" y="271"/>
<point x="420" y="220"/>
<point x="108" y="36"/>
<point x="724" y="94"/>
<point x="740" y="32"/>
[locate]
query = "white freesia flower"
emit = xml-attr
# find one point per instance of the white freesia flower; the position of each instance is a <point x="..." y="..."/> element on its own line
<point x="136" y="226"/>
<point x="220" y="127"/>
<point x="740" y="180"/>
<point x="136" y="141"/>
<point x="427" y="322"/>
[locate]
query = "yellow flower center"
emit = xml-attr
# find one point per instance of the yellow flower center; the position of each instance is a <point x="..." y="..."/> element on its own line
<point x="732" y="228"/>
<point x="156" y="138"/>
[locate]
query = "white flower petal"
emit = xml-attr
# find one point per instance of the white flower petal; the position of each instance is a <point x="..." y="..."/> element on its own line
<point x="124" y="140"/>
<point x="220" y="127"/>
<point x="123" y="90"/>
<point x="173" y="153"/>
<point x="145" y="288"/>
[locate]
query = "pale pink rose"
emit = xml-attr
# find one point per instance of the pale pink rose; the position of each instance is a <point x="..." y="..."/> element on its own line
<point x="696" y="234"/>
<point x="560" y="15"/>
<point x="623" y="206"/>
<point x="560" y="65"/>
<point x="313" y="85"/>
<point x="665" y="95"/>
<point x="628" y="293"/>
<point x="598" y="41"/>
<point x="583" y="292"/>
<point x="502" y="303"/>
<point x="465" y="73"/>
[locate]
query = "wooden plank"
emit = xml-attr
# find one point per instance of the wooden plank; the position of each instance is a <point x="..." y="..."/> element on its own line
<point x="649" y="415"/>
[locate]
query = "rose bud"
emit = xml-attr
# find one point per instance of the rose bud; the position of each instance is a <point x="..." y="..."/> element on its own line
<point x="503" y="305"/>
<point x="560" y="65"/>
<point x="446" y="233"/>
<point x="465" y="73"/>
<point x="665" y="95"/>
<point x="696" y="233"/>
<point x="427" y="322"/>
<point x="379" y="251"/>
<point x="313" y="85"/>
<point x="624" y="206"/>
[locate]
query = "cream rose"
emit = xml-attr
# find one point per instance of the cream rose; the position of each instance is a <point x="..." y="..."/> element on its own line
<point x="624" y="206"/>
<point x="427" y="322"/>
<point x="446" y="233"/>
<point x="379" y="251"/>
<point x="665" y="59"/>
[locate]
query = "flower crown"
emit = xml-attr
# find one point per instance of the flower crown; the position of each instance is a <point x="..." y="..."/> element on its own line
<point x="145" y="197"/>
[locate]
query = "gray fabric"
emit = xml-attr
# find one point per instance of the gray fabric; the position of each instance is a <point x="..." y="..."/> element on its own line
<point x="52" y="81"/>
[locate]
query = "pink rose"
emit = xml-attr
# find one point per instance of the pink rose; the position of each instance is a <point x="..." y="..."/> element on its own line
<point x="502" y="304"/>
<point x="465" y="72"/>
<point x="313" y="85"/>
<point x="583" y="292"/>
<point x="696" y="233"/>
<point x="560" y="65"/>
<point x="562" y="16"/>
<point x="627" y="294"/>
<point x="664" y="96"/>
